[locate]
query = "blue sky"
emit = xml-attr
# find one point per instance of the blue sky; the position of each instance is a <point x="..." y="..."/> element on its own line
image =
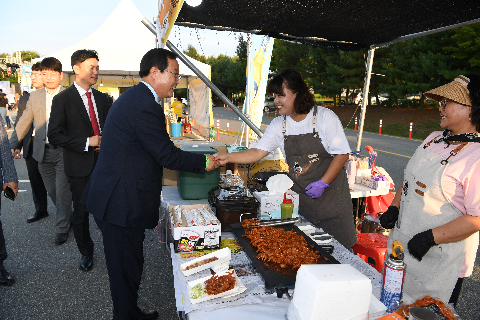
<point x="47" y="26"/>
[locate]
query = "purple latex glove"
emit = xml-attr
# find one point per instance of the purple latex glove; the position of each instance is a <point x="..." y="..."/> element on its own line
<point x="315" y="189"/>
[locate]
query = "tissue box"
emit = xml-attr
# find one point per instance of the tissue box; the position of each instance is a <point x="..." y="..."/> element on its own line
<point x="369" y="182"/>
<point x="362" y="173"/>
<point x="330" y="292"/>
<point x="270" y="202"/>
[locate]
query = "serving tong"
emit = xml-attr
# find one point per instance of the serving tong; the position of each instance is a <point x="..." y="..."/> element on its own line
<point x="271" y="223"/>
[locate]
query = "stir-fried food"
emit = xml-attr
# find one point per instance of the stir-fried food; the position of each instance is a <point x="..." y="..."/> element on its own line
<point x="216" y="285"/>
<point x="286" y="248"/>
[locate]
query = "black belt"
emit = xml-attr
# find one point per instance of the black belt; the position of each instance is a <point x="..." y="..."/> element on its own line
<point x="49" y="146"/>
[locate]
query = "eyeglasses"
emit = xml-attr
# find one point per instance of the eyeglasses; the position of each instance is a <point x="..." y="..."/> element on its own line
<point x="35" y="74"/>
<point x="443" y="104"/>
<point x="50" y="74"/>
<point x="177" y="75"/>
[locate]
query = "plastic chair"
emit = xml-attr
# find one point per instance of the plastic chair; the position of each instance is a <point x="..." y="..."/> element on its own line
<point x="371" y="248"/>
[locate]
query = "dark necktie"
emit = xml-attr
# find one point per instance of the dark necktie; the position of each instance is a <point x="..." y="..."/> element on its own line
<point x="93" y="117"/>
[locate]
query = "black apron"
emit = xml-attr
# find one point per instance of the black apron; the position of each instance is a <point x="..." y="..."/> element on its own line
<point x="307" y="162"/>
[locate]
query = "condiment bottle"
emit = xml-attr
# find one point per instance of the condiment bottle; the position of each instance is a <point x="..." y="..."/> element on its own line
<point x="286" y="207"/>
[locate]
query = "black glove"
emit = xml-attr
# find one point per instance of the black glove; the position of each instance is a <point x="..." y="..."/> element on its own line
<point x="389" y="217"/>
<point x="419" y="245"/>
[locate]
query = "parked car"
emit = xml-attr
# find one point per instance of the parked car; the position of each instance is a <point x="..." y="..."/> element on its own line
<point x="269" y="104"/>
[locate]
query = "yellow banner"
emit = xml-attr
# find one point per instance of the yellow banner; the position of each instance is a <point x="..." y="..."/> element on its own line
<point x="168" y="12"/>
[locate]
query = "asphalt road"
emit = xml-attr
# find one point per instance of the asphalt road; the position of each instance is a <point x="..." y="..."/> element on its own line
<point x="50" y="286"/>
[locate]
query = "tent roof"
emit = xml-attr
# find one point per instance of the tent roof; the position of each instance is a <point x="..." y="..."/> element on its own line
<point x="345" y="24"/>
<point x="121" y="41"/>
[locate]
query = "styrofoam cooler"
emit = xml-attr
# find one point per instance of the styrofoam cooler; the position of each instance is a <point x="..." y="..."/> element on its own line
<point x="330" y="291"/>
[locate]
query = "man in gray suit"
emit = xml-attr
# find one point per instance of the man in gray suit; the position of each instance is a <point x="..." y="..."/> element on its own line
<point x="49" y="157"/>
<point x="39" y="192"/>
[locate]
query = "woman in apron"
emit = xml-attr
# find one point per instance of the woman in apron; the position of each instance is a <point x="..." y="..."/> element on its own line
<point x="436" y="213"/>
<point x="316" y="150"/>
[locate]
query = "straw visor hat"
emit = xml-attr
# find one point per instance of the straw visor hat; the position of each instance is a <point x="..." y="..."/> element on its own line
<point x="456" y="91"/>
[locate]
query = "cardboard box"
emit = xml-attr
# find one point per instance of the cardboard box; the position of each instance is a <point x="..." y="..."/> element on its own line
<point x="271" y="203"/>
<point x="193" y="238"/>
<point x="369" y="182"/>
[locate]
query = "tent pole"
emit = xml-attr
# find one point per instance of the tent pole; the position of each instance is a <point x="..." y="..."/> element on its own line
<point x="205" y="80"/>
<point x="366" y="87"/>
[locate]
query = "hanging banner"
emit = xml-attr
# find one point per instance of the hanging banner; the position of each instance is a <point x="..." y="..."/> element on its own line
<point x="258" y="66"/>
<point x="26" y="79"/>
<point x="168" y="12"/>
<point x="200" y="106"/>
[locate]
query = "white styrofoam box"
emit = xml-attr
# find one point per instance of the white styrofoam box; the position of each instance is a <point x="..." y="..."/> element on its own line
<point x="224" y="256"/>
<point x="369" y="182"/>
<point x="330" y="291"/>
<point x="270" y="202"/>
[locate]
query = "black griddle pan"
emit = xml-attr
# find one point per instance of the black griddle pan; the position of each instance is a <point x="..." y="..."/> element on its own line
<point x="274" y="280"/>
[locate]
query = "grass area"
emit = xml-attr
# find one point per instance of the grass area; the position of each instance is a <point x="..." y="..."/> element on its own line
<point x="395" y="121"/>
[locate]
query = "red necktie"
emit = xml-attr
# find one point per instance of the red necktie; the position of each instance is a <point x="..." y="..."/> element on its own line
<point x="93" y="117"/>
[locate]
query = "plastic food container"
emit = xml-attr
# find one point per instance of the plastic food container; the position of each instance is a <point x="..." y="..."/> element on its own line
<point x="224" y="256"/>
<point x="193" y="186"/>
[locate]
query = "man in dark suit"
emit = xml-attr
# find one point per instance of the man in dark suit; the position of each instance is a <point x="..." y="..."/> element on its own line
<point x="76" y="122"/>
<point x="39" y="192"/>
<point x="123" y="193"/>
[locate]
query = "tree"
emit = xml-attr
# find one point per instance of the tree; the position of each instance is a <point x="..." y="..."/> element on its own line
<point x="242" y="49"/>
<point x="192" y="53"/>
<point x="29" y="55"/>
<point x="467" y="46"/>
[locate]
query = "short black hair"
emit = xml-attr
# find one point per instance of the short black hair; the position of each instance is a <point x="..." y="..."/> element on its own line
<point x="474" y="92"/>
<point x="81" y="55"/>
<point x="52" y="64"/>
<point x="158" y="58"/>
<point x="37" y="66"/>
<point x="293" y="81"/>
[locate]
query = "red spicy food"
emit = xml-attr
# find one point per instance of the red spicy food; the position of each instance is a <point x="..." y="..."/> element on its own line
<point x="216" y="285"/>
<point x="285" y="248"/>
<point x="201" y="263"/>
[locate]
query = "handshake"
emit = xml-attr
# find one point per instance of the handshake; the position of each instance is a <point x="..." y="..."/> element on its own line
<point x="216" y="160"/>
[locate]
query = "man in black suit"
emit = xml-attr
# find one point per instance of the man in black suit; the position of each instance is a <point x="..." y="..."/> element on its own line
<point x="39" y="192"/>
<point x="76" y="122"/>
<point x="123" y="193"/>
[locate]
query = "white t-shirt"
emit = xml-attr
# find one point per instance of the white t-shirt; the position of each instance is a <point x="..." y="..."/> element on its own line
<point x="329" y="129"/>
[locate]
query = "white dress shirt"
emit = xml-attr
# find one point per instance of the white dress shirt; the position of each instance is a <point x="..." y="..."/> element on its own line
<point x="49" y="98"/>
<point x="83" y="95"/>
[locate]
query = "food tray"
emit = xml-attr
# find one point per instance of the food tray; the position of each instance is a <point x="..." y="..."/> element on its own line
<point x="275" y="280"/>
<point x="228" y="293"/>
<point x="224" y="256"/>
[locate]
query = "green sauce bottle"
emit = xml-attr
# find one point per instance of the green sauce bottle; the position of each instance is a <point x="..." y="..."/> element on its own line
<point x="286" y="207"/>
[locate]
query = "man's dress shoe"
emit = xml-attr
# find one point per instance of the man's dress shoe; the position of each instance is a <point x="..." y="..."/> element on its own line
<point x="145" y="315"/>
<point x="61" y="238"/>
<point x="148" y="315"/>
<point x="87" y="263"/>
<point x="5" y="278"/>
<point x="37" y="216"/>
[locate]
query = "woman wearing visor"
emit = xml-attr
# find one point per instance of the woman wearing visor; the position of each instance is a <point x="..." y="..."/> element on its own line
<point x="436" y="213"/>
<point x="316" y="150"/>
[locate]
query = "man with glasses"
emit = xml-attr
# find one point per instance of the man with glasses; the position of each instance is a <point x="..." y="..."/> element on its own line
<point x="123" y="193"/>
<point x="49" y="157"/>
<point x="39" y="192"/>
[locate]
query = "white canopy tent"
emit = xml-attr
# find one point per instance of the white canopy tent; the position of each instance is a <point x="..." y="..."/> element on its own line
<point x="121" y="41"/>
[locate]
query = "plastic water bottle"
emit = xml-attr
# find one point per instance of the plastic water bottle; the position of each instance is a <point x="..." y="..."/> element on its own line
<point x="227" y="182"/>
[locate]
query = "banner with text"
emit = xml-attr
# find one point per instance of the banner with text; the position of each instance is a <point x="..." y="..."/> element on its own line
<point x="258" y="66"/>
<point x="168" y="12"/>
